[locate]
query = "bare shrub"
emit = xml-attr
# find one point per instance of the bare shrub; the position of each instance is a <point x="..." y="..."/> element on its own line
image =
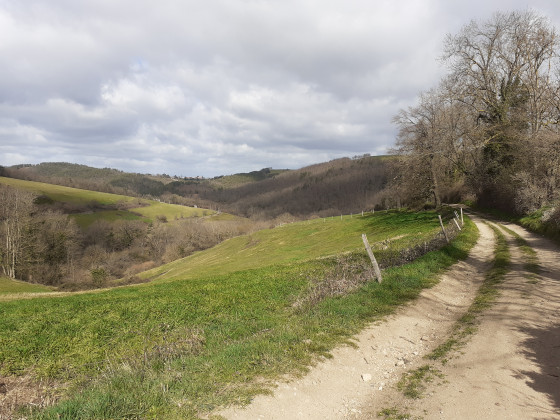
<point x="349" y="272"/>
<point x="530" y="195"/>
<point x="138" y="268"/>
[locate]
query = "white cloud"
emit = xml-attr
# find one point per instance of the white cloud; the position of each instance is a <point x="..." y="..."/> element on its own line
<point x="208" y="88"/>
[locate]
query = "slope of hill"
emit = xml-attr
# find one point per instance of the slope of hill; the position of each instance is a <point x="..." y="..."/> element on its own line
<point x="338" y="187"/>
<point x="88" y="206"/>
<point x="75" y="239"/>
<point x="216" y="327"/>
<point x="11" y="286"/>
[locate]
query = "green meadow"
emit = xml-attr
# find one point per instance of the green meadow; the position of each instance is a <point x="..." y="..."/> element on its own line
<point x="9" y="286"/>
<point x="136" y="209"/>
<point x="216" y="327"/>
<point x="303" y="241"/>
<point x="66" y="194"/>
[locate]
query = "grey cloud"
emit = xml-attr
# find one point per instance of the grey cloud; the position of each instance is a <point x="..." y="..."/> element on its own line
<point x="208" y="88"/>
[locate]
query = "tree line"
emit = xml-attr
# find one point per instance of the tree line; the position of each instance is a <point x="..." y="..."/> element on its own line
<point x="489" y="131"/>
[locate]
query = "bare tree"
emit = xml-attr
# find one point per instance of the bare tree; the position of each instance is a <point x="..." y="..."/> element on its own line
<point x="498" y="63"/>
<point x="495" y="117"/>
<point x="431" y="143"/>
<point x="15" y="210"/>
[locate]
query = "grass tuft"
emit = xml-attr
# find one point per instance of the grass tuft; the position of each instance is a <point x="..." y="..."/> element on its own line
<point x="413" y="383"/>
<point x="394" y="413"/>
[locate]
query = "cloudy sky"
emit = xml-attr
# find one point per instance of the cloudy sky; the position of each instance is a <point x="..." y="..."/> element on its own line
<point x="214" y="87"/>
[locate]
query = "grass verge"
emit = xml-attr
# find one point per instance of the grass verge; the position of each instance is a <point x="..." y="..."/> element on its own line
<point x="179" y="349"/>
<point x="535" y="223"/>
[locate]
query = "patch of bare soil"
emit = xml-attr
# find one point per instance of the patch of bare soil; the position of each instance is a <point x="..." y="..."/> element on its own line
<point x="17" y="392"/>
<point x="357" y="380"/>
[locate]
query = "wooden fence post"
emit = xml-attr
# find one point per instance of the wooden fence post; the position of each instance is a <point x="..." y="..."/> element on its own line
<point x="443" y="229"/>
<point x="457" y="224"/>
<point x="462" y="221"/>
<point x="456" y="220"/>
<point x="376" y="269"/>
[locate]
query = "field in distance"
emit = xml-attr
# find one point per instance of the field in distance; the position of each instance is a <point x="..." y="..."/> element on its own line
<point x="88" y="206"/>
<point x="9" y="286"/>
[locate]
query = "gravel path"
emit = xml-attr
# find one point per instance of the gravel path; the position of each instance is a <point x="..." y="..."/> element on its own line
<point x="510" y="369"/>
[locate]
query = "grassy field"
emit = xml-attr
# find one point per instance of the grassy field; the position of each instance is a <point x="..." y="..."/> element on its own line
<point x="216" y="326"/>
<point x="8" y="286"/>
<point x="303" y="241"/>
<point x="170" y="211"/>
<point x="137" y="209"/>
<point x="66" y="194"/>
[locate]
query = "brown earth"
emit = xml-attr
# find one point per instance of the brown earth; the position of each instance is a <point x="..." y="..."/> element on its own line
<point x="509" y="369"/>
<point x="25" y="391"/>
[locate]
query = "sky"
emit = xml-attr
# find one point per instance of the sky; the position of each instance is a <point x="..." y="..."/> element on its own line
<point x="215" y="87"/>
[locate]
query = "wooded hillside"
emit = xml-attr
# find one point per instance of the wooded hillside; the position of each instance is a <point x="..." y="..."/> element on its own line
<point x="340" y="186"/>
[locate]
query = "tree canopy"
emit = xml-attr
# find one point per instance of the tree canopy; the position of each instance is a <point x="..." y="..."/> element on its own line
<point x="490" y="129"/>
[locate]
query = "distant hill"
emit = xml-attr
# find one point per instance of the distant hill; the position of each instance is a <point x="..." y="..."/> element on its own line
<point x="340" y="186"/>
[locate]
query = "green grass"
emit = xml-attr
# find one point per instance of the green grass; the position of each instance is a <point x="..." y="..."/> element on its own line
<point x="86" y="219"/>
<point x="534" y="222"/>
<point x="9" y="286"/>
<point x="147" y="210"/>
<point x="66" y="194"/>
<point x="301" y="242"/>
<point x="394" y="413"/>
<point x="170" y="211"/>
<point x="201" y="338"/>
<point x="413" y="383"/>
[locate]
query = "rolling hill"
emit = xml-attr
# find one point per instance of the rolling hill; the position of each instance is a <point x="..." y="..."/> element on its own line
<point x="218" y="326"/>
<point x="338" y="187"/>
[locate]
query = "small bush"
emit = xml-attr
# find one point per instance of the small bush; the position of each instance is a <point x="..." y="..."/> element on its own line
<point x="98" y="277"/>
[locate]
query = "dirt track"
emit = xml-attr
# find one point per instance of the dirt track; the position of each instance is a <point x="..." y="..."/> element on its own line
<point x="509" y="369"/>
